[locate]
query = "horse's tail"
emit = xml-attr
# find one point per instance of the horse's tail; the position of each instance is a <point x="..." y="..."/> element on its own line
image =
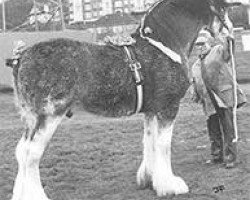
<point x="15" y="60"/>
<point x="18" y="50"/>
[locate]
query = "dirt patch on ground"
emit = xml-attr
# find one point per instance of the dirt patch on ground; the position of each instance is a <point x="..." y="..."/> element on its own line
<point x="93" y="158"/>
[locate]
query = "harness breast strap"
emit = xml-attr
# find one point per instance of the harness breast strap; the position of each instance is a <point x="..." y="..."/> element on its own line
<point x="135" y="68"/>
<point x="169" y="52"/>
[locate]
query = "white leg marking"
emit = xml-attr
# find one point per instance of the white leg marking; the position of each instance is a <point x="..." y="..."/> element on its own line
<point x="164" y="181"/>
<point x="21" y="155"/>
<point x="144" y="174"/>
<point x="28" y="184"/>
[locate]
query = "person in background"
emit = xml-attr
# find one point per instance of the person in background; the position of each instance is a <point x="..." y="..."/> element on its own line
<point x="213" y="86"/>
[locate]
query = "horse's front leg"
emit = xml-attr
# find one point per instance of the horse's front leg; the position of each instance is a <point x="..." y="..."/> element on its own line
<point x="158" y="165"/>
<point x="164" y="181"/>
<point x="144" y="174"/>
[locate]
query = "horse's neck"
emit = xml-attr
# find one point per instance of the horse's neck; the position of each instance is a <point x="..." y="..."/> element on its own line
<point x="185" y="35"/>
<point x="173" y="26"/>
<point x="182" y="46"/>
<point x="188" y="42"/>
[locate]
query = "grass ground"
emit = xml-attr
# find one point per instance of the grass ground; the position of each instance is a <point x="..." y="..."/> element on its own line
<point x="95" y="158"/>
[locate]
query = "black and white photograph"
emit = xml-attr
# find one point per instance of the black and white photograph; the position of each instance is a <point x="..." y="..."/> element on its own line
<point x="124" y="99"/>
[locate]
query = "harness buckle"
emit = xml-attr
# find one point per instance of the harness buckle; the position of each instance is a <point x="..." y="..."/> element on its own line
<point x="137" y="75"/>
<point x="135" y="65"/>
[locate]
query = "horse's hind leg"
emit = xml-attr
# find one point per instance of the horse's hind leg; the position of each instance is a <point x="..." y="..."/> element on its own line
<point x="29" y="152"/>
<point x="156" y="163"/>
<point x="21" y="155"/>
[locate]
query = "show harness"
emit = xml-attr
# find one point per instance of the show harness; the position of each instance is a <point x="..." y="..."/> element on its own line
<point x="126" y="44"/>
<point x="135" y="68"/>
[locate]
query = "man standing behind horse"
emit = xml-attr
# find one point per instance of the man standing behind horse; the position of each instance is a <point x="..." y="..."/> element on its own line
<point x="214" y="85"/>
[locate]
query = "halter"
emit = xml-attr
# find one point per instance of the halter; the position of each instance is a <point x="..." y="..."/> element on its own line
<point x="220" y="14"/>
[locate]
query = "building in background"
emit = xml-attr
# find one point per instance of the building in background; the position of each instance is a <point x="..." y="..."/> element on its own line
<point x="76" y="10"/>
<point x="91" y="10"/>
<point x="102" y="13"/>
<point x="241" y="15"/>
<point x="43" y="12"/>
<point x="107" y="17"/>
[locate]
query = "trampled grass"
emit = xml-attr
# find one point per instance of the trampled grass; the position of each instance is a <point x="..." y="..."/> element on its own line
<point x="93" y="158"/>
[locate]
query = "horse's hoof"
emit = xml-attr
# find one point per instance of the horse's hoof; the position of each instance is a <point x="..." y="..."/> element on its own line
<point x="170" y="186"/>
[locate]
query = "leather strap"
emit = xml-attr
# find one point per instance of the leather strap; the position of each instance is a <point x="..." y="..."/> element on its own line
<point x="135" y="67"/>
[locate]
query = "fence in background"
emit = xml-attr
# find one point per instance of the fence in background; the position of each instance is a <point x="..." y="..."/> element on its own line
<point x="30" y="38"/>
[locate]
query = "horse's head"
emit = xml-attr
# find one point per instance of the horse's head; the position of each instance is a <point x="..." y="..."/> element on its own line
<point x="219" y="16"/>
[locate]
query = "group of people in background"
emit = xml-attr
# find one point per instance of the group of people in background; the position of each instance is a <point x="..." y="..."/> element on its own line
<point x="214" y="88"/>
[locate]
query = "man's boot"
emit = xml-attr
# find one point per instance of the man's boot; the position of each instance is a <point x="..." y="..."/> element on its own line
<point x="230" y="154"/>
<point x="215" y="137"/>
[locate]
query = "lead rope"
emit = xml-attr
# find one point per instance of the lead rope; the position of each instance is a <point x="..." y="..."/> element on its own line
<point x="234" y="92"/>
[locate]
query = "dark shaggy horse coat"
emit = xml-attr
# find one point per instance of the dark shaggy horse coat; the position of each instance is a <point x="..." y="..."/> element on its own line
<point x="51" y="76"/>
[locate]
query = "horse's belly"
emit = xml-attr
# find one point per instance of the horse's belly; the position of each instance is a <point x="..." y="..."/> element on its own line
<point x="109" y="92"/>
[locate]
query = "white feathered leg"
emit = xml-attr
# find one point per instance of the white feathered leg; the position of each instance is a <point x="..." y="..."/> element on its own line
<point x="28" y="184"/>
<point x="144" y="174"/>
<point x="21" y="155"/>
<point x="164" y="181"/>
